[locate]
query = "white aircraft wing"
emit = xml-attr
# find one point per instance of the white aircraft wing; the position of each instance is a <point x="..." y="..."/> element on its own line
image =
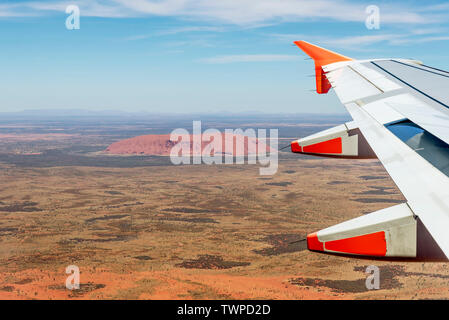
<point x="400" y="110"/>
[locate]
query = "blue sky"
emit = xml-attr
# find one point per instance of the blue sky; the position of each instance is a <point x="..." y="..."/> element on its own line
<point x="199" y="55"/>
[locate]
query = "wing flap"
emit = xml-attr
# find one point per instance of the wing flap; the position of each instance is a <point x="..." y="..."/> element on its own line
<point x="434" y="120"/>
<point x="375" y="78"/>
<point x="344" y="81"/>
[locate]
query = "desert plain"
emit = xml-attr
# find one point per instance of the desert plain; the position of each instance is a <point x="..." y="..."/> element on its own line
<point x="138" y="227"/>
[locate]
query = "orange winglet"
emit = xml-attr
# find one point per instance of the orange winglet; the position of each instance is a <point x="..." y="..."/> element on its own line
<point x="321" y="57"/>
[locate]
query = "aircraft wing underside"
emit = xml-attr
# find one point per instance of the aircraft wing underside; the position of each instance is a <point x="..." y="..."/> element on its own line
<point x="400" y="110"/>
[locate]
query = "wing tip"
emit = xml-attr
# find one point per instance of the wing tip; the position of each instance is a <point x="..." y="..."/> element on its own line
<point x="320" y="55"/>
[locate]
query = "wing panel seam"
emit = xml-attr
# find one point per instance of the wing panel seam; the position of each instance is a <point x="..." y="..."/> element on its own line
<point x="408" y="65"/>
<point x="361" y="75"/>
<point x="408" y="84"/>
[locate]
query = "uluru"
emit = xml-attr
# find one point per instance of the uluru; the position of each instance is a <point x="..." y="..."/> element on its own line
<point x="161" y="145"/>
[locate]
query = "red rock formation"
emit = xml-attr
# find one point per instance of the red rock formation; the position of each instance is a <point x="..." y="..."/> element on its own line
<point x="161" y="145"/>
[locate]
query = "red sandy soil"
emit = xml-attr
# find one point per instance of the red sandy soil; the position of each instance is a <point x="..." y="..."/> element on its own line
<point x="161" y="145"/>
<point x="197" y="232"/>
<point x="170" y="284"/>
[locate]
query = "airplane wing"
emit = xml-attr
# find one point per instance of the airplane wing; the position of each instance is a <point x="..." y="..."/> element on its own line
<point x="400" y="109"/>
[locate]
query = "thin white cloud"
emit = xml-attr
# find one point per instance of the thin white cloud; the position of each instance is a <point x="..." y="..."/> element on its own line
<point x="250" y="11"/>
<point x="426" y="31"/>
<point x="88" y="8"/>
<point x="239" y="12"/>
<point x="190" y="29"/>
<point x="249" y="58"/>
<point x="138" y="37"/>
<point x="340" y="42"/>
<point x="422" y="40"/>
<point x="362" y="42"/>
<point x="12" y="10"/>
<point x="174" y="31"/>
<point x="435" y="7"/>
